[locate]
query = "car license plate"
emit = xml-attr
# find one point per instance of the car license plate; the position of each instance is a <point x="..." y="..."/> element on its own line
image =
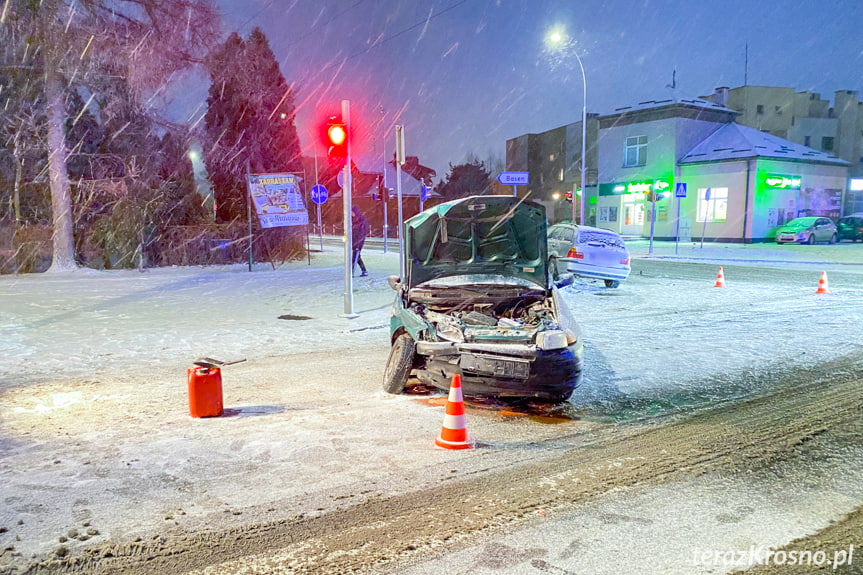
<point x="514" y="368"/>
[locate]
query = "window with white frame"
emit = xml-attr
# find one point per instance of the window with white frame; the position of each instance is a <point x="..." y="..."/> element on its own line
<point x="712" y="204"/>
<point x="635" y="151"/>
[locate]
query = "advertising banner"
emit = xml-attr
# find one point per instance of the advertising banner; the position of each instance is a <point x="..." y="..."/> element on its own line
<point x="277" y="200"/>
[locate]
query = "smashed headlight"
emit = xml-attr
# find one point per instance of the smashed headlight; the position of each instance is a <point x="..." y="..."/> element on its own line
<point x="448" y="332"/>
<point x="552" y="339"/>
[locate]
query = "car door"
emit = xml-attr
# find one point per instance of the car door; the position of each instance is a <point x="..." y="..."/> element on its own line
<point x="560" y="240"/>
<point x="823" y="230"/>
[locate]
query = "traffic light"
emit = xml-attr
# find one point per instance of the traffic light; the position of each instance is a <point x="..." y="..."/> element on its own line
<point x="655" y="196"/>
<point x="336" y="136"/>
<point x="568" y="196"/>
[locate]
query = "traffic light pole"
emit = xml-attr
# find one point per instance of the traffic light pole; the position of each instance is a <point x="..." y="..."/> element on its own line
<point x="652" y="220"/>
<point x="346" y="205"/>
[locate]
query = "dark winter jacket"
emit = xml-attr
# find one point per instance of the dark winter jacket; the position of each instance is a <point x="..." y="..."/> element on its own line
<point x="359" y="229"/>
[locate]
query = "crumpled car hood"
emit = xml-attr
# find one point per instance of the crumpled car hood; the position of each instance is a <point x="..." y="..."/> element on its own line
<point x="498" y="235"/>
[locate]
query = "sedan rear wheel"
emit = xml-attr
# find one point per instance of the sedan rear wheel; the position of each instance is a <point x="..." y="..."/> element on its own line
<point x="611" y="283"/>
<point x="399" y="364"/>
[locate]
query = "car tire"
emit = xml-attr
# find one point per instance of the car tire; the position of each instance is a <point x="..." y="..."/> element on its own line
<point x="810" y="240"/>
<point x="834" y="238"/>
<point x="611" y="283"/>
<point x="399" y="364"/>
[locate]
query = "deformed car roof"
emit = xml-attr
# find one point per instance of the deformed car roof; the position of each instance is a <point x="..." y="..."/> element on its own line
<point x="497" y="235"/>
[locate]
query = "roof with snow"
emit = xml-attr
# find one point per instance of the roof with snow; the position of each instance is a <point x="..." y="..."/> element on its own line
<point x="733" y="142"/>
<point x="688" y="102"/>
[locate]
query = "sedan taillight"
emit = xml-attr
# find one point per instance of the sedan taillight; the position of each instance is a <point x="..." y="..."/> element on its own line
<point x="575" y="254"/>
<point x="624" y="261"/>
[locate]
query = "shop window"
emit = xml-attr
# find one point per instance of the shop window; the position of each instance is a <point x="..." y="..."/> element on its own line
<point x="759" y="109"/>
<point x="635" y="151"/>
<point x="827" y="144"/>
<point x="712" y="204"/>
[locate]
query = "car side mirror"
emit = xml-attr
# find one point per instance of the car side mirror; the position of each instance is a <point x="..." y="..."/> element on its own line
<point x="395" y="282"/>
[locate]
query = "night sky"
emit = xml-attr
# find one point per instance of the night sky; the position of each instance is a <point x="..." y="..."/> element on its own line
<point x="463" y="76"/>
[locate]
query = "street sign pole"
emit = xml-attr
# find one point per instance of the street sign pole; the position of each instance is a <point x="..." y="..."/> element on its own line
<point x="317" y="204"/>
<point x="514" y="188"/>
<point x="400" y="160"/>
<point x="706" y="213"/>
<point x="386" y="220"/>
<point x="679" y="194"/>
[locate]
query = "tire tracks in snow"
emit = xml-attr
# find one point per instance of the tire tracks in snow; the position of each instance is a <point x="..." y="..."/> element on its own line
<point x="813" y="405"/>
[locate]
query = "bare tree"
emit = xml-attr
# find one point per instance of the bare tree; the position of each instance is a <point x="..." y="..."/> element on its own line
<point x="82" y="42"/>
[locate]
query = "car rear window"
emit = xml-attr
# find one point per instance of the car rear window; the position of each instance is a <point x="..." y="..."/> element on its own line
<point x="606" y="239"/>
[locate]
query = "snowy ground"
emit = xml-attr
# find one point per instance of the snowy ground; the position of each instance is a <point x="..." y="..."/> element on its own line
<point x="94" y="424"/>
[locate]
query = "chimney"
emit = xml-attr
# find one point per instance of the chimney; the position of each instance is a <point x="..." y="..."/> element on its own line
<point x="720" y="96"/>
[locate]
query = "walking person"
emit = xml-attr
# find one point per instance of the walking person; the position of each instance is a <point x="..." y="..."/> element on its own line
<point x="359" y="231"/>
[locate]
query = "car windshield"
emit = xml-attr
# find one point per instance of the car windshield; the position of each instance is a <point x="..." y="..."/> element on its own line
<point x="801" y="222"/>
<point x="603" y="238"/>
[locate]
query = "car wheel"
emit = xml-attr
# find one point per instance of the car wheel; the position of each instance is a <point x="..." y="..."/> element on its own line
<point x="611" y="283"/>
<point x="778" y="243"/>
<point x="811" y="239"/>
<point x="399" y="364"/>
<point x="834" y="238"/>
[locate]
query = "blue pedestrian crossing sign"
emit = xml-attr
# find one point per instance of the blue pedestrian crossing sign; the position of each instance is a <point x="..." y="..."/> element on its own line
<point x="319" y="194"/>
<point x="680" y="190"/>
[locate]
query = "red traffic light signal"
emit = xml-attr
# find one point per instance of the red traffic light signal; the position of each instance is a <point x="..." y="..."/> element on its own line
<point x="336" y="140"/>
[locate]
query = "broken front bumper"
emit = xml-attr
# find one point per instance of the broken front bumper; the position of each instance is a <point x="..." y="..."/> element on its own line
<point x="502" y="370"/>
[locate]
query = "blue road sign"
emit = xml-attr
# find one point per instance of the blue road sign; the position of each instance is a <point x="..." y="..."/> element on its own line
<point x="424" y="193"/>
<point x="680" y="190"/>
<point x="319" y="194"/>
<point x="514" y="178"/>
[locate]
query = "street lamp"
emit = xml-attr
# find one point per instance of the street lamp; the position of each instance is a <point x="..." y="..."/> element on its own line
<point x="558" y="39"/>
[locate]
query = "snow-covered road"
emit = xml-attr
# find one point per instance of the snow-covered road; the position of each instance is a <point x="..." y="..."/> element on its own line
<point x="94" y="426"/>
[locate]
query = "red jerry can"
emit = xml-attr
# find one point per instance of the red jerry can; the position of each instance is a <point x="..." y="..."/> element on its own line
<point x="205" y="391"/>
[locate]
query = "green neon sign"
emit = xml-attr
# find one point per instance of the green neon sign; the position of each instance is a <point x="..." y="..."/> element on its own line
<point x="782" y="182"/>
<point x="642" y="187"/>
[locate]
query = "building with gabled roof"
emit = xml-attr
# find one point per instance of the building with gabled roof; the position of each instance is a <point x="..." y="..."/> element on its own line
<point x="709" y="175"/>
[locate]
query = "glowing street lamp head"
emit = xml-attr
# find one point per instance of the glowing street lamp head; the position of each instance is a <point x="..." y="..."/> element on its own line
<point x="556" y="38"/>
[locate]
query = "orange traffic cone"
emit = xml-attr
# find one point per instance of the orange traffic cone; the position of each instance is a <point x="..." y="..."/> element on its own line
<point x="453" y="434"/>
<point x="720" y="278"/>
<point x="822" y="284"/>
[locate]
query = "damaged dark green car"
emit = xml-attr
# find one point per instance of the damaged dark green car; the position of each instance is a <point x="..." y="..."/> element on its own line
<point x="478" y="300"/>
